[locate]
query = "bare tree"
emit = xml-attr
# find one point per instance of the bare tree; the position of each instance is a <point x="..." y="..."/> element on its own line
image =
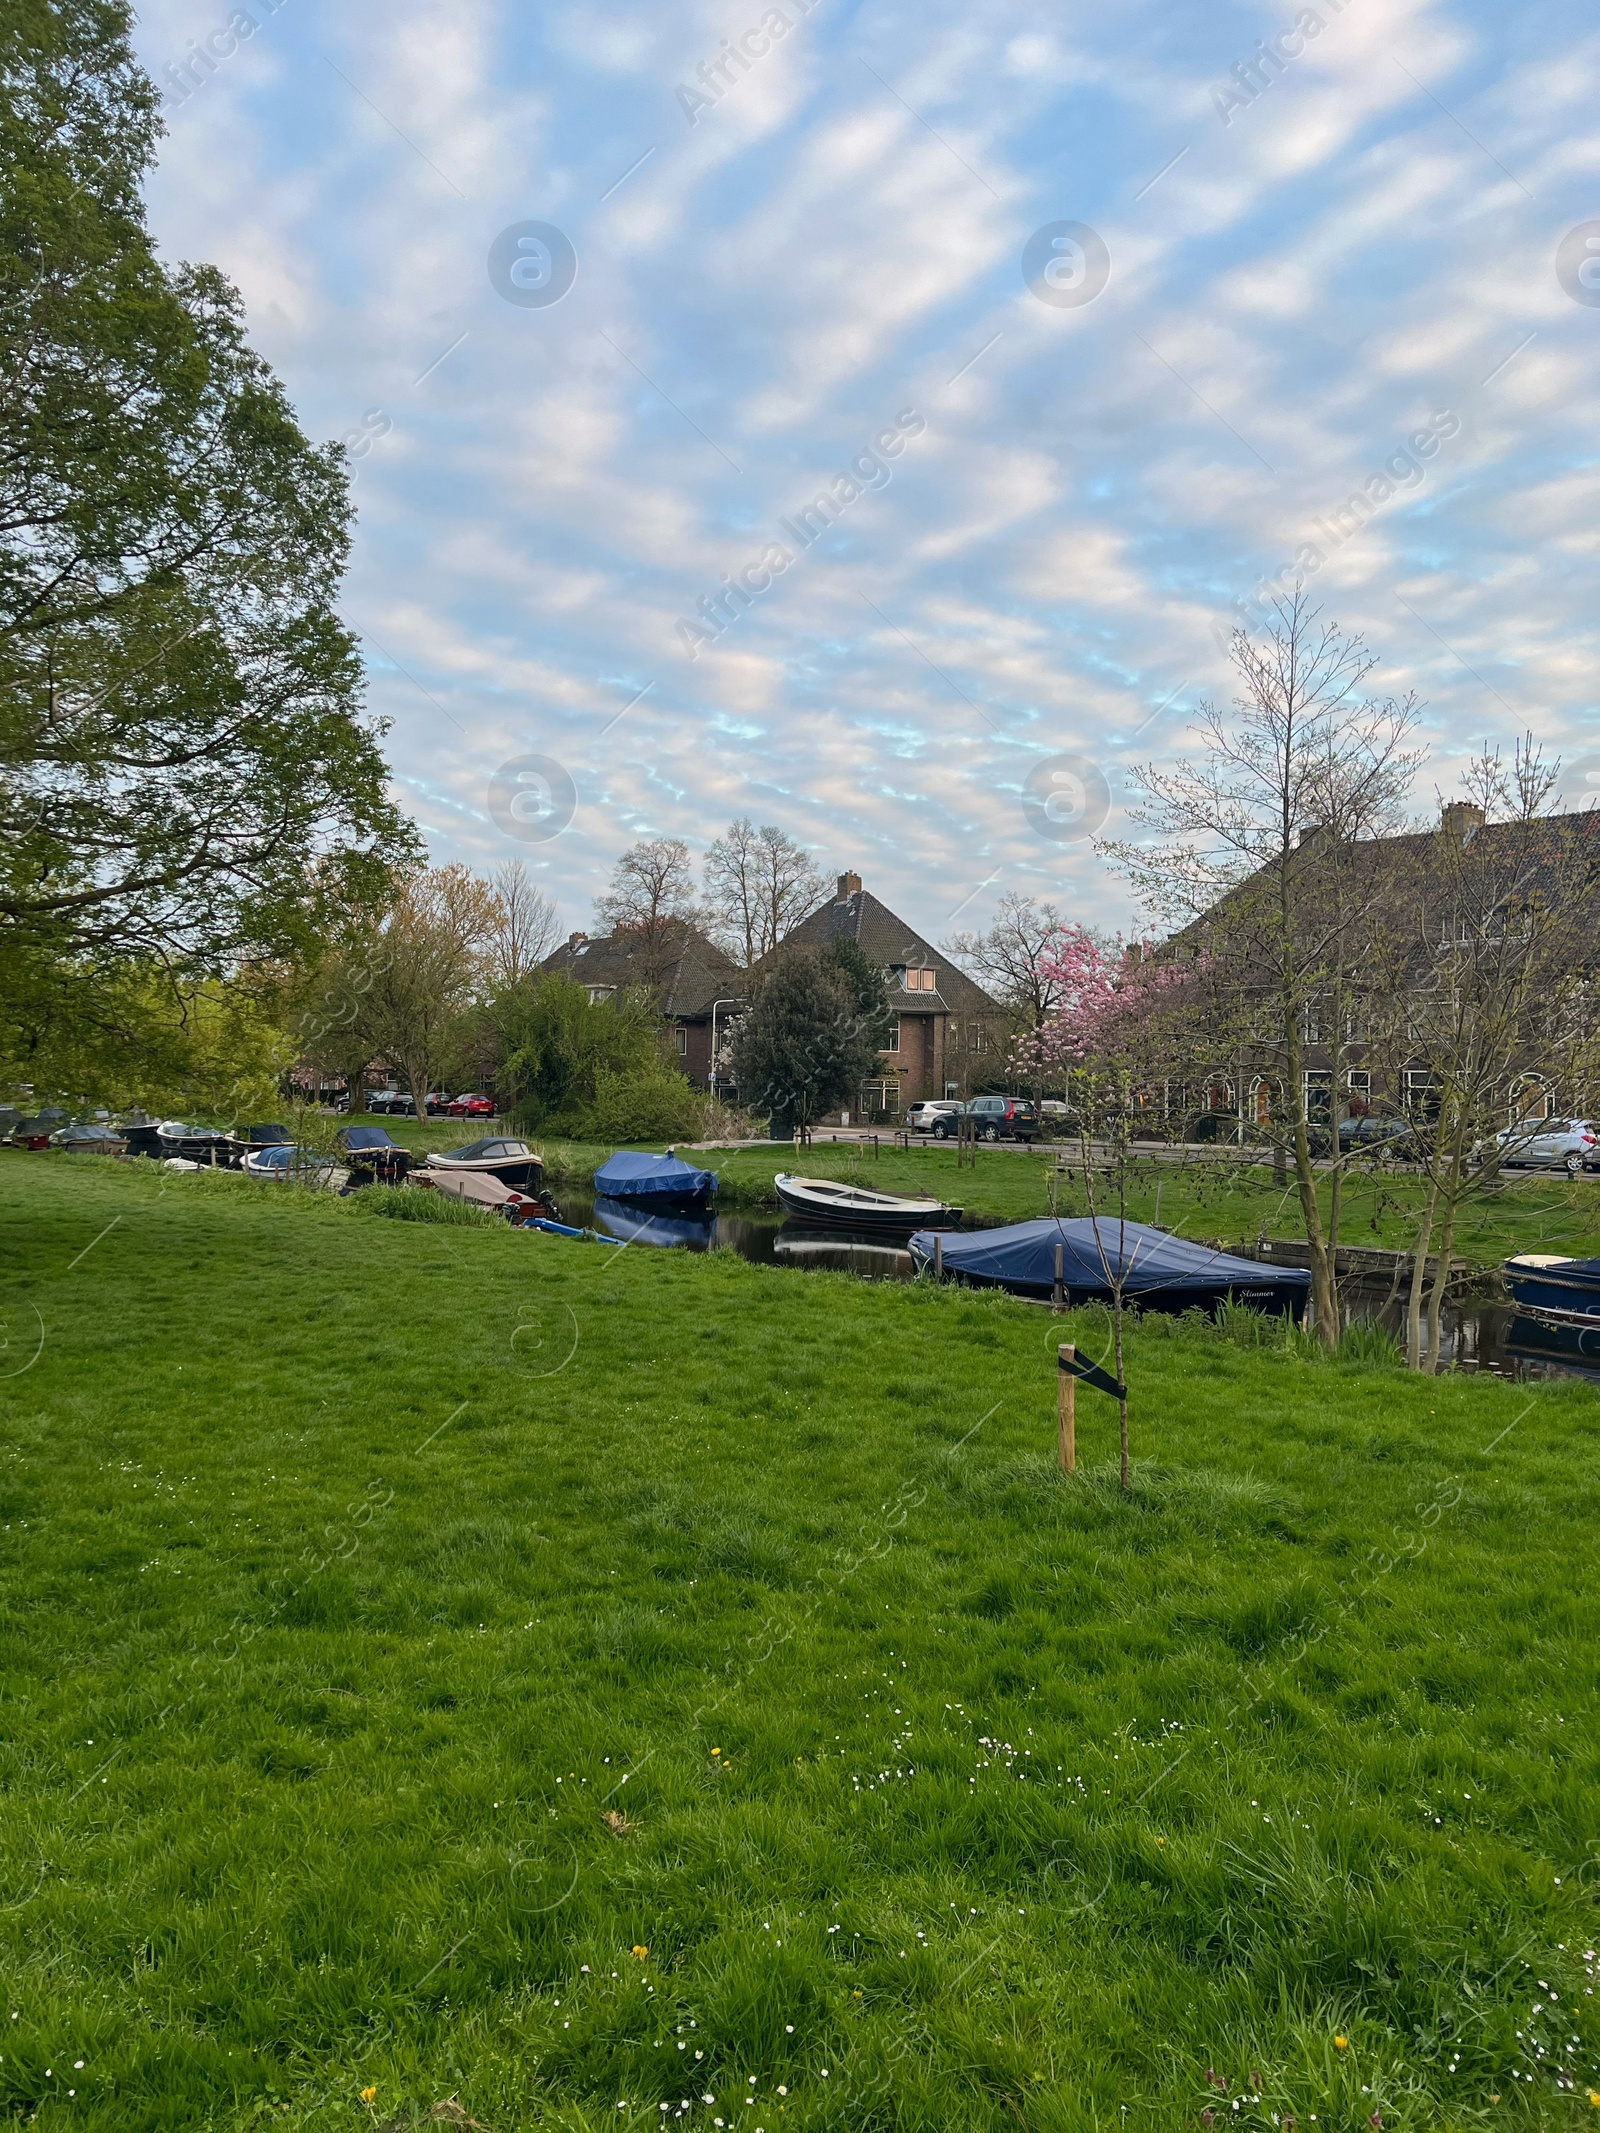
<point x="525" y="926"/>
<point x="758" y="884"/>
<point x="1012" y="961"/>
<point x="1264" y="865"/>
<point x="652" y="898"/>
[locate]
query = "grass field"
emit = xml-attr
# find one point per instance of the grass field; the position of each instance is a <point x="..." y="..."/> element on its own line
<point x="616" y="1689"/>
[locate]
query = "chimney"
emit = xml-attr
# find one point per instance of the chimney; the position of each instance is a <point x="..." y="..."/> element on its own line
<point x="849" y="885"/>
<point x="1461" y="818"/>
<point x="575" y="940"/>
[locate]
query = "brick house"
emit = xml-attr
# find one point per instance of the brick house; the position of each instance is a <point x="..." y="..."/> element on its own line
<point x="948" y="1037"/>
<point x="697" y="986"/>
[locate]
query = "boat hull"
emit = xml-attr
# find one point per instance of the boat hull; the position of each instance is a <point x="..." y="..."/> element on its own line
<point x="518" y="1173"/>
<point x="1554" y="1287"/>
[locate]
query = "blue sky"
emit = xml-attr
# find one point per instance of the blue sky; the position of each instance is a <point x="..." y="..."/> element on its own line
<point x="1312" y="265"/>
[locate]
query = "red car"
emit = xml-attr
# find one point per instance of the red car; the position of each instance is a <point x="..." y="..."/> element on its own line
<point x="471" y="1107"/>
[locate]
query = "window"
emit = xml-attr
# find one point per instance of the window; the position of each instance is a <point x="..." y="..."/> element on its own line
<point x="1422" y="1095"/>
<point x="1358" y="1081"/>
<point x="597" y="993"/>
<point x="891" y="1043"/>
<point x="682" y="1038"/>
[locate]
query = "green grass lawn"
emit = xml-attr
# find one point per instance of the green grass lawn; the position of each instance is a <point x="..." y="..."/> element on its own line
<point x="575" y="1680"/>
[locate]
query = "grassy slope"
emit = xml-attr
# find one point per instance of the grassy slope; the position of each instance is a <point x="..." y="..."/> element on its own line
<point x="349" y="1564"/>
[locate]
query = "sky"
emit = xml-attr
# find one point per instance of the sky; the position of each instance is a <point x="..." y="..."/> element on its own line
<point x="1082" y="322"/>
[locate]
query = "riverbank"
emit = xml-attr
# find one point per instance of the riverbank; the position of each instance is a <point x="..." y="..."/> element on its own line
<point x="460" y="1662"/>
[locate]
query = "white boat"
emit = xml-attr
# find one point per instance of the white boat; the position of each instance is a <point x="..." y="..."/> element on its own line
<point x="512" y="1162"/>
<point x="285" y="1164"/>
<point x="853" y="1207"/>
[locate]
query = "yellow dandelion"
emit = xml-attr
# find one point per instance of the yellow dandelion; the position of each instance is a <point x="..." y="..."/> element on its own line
<point x="716" y="1751"/>
<point x="1594" y="2098"/>
<point x="1339" y="2043"/>
<point x="369" y="2095"/>
<point x="640" y="1952"/>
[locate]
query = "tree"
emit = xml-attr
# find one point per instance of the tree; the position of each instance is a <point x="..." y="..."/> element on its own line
<point x="524" y="928"/>
<point x="1012" y="960"/>
<point x="1266" y="828"/>
<point x="651" y="897"/>
<point x="566" y="1054"/>
<point x="806" y="1043"/>
<point x="184" y="767"/>
<point x="758" y="885"/>
<point x="429" y="960"/>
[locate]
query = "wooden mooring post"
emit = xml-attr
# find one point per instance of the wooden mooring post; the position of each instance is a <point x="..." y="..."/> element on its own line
<point x="1058" y="1302"/>
<point x="1067" y="1398"/>
<point x="938" y="1257"/>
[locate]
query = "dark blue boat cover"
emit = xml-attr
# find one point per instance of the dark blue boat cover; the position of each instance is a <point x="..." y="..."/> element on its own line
<point x="1023" y="1257"/>
<point x="359" y="1138"/>
<point x="648" y="1178"/>
<point x="633" y="1224"/>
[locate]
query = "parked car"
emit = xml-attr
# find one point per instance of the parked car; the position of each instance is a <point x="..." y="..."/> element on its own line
<point x="1569" y="1144"/>
<point x="469" y="1106"/>
<point x="1367" y="1130"/>
<point x="390" y="1103"/>
<point x="1003" y="1118"/>
<point x="438" y="1103"/>
<point x="926" y="1116"/>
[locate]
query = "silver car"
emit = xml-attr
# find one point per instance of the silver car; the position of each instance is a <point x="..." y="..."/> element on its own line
<point x="1569" y="1144"/>
<point x="936" y="1115"/>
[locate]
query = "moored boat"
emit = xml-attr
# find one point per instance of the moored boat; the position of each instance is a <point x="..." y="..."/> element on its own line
<point x="245" y="1140"/>
<point x="142" y="1134"/>
<point x="655" y="1181"/>
<point x="853" y="1207"/>
<point x="283" y="1163"/>
<point x="88" y="1137"/>
<point x="205" y="1145"/>
<point x="510" y="1162"/>
<point x="1156" y="1270"/>
<point x="1551" y="1283"/>
<point x="373" y="1158"/>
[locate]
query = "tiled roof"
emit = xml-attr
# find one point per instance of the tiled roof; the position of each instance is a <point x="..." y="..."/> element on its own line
<point x="695" y="971"/>
<point x="1534" y="855"/>
<point x="887" y="940"/>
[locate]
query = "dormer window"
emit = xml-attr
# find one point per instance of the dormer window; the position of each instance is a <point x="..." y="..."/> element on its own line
<point x="914" y="979"/>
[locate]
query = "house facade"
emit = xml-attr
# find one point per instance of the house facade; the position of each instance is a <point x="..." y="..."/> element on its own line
<point x="698" y="988"/>
<point x="1453" y="898"/>
<point x="948" y="1037"/>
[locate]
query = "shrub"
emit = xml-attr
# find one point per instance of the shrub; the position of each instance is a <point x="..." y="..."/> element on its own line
<point x="650" y="1103"/>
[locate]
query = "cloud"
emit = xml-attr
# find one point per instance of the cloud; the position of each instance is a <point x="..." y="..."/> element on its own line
<point x="839" y="237"/>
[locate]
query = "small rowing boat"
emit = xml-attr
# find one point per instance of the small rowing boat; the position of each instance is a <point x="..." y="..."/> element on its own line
<point x="853" y="1207"/>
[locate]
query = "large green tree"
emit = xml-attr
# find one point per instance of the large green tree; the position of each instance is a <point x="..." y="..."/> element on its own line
<point x="811" y="1036"/>
<point x="185" y="770"/>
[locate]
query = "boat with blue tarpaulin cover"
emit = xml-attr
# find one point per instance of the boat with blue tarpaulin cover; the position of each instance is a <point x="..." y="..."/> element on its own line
<point x="1157" y="1271"/>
